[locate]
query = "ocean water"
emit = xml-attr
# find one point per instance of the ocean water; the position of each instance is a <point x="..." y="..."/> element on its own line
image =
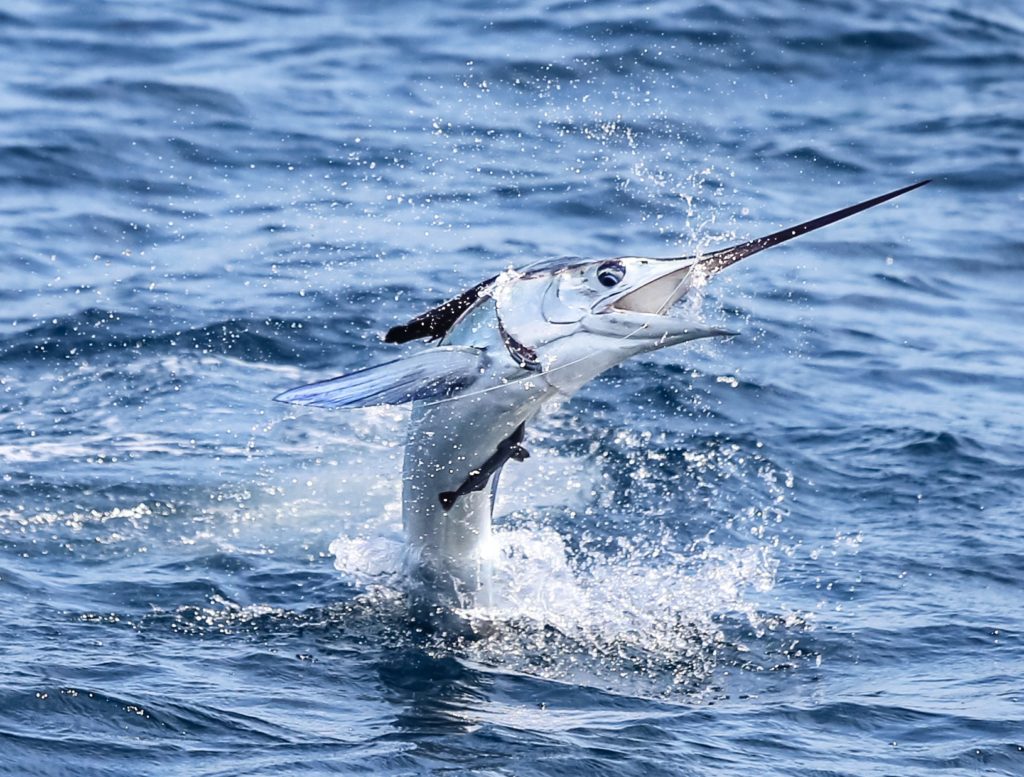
<point x="796" y="552"/>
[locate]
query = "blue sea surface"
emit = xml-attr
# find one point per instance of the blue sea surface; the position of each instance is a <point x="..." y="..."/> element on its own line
<point x="799" y="551"/>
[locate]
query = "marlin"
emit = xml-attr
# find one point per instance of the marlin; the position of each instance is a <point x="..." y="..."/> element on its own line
<point x="505" y="348"/>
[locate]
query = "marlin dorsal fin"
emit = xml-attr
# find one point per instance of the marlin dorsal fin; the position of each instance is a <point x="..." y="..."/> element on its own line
<point x="436" y="372"/>
<point x="435" y="323"/>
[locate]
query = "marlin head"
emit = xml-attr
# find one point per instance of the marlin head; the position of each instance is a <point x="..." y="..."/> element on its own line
<point x="581" y="316"/>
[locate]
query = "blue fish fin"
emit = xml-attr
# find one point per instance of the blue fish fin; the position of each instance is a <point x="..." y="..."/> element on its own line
<point x="429" y="374"/>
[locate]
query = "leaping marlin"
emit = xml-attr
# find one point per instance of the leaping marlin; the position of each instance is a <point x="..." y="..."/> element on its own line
<point x="506" y="347"/>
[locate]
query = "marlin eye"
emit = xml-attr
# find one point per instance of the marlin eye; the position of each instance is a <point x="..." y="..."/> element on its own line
<point x="610" y="273"/>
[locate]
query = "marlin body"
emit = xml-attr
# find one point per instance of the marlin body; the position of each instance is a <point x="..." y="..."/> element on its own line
<point x="506" y="348"/>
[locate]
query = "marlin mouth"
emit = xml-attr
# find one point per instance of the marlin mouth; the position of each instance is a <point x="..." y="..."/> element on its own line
<point x="656" y="296"/>
<point x="666" y="288"/>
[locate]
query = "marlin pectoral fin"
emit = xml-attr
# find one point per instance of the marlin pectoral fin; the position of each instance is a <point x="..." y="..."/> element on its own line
<point x="429" y="374"/>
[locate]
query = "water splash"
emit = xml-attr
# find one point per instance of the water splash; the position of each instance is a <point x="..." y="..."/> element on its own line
<point x="643" y="620"/>
<point x="639" y="619"/>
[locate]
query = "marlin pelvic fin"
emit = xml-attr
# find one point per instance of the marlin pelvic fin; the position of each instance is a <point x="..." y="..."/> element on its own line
<point x="509" y="448"/>
<point x="430" y="374"/>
